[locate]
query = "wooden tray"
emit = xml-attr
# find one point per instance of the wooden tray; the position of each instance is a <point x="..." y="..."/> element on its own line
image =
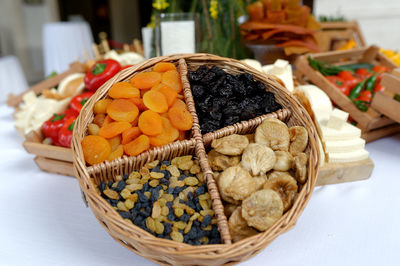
<point x="49" y="158"/>
<point x="367" y="121"/>
<point x="334" y="34"/>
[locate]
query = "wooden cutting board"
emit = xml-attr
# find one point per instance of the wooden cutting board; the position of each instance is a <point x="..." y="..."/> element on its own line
<point x="331" y="173"/>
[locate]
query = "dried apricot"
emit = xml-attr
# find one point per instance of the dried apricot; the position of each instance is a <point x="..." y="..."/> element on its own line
<point x="146" y="80"/>
<point x="135" y="122"/>
<point x="155" y="101"/>
<point x="100" y="107"/>
<point x="172" y="79"/>
<point x="168" y="134"/>
<point x="99" y="119"/>
<point x="137" y="146"/>
<point x="130" y="134"/>
<point x="95" y="149"/>
<point x="150" y="123"/>
<point x="139" y="103"/>
<point x="180" y="118"/>
<point x="107" y="120"/>
<point x="114" y="142"/>
<point x="113" y="129"/>
<point x="179" y="103"/>
<point x="118" y="152"/>
<point x="123" y="90"/>
<point x="163" y="67"/>
<point x="182" y="135"/>
<point x="122" y="110"/>
<point x="169" y="93"/>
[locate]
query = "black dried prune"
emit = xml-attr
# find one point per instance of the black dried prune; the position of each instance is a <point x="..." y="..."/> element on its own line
<point x="219" y="72"/>
<point x="230" y="120"/>
<point x="198" y="91"/>
<point x="210" y="76"/>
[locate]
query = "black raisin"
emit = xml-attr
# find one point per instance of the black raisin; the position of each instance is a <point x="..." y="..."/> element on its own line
<point x="190" y="195"/>
<point x="185" y="217"/>
<point x="125" y="177"/>
<point x="102" y="186"/>
<point x="167" y="228"/>
<point x="200" y="190"/>
<point x="169" y="203"/>
<point x="125" y="215"/>
<point x="206" y="221"/>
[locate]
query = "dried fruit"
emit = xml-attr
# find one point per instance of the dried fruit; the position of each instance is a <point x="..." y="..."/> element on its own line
<point x="100" y="107"/>
<point x="130" y="134"/>
<point x="93" y="129"/>
<point x="122" y="110"/>
<point x="163" y="67"/>
<point x="95" y="149"/>
<point x="284" y="161"/>
<point x="172" y="79"/>
<point x="116" y="153"/>
<point x="99" y="119"/>
<point x="238" y="225"/>
<point x="298" y="139"/>
<point x="180" y="118"/>
<point x="168" y="134"/>
<point x="113" y="129"/>
<point x="258" y="159"/>
<point x="260" y="181"/>
<point x="169" y="93"/>
<point x="114" y="142"/>
<point x="286" y="186"/>
<point x="229" y="209"/>
<point x="150" y="123"/>
<point x="230" y="145"/>
<point x="139" y="103"/>
<point x="300" y="166"/>
<point x="235" y="183"/>
<point x="220" y="162"/>
<point x="137" y="146"/>
<point x="273" y="133"/>
<point x="155" y="101"/>
<point x="123" y="90"/>
<point x="146" y="80"/>
<point x="262" y="209"/>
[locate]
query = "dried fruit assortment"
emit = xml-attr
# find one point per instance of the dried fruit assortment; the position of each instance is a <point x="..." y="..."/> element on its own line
<point x="258" y="174"/>
<point x="143" y="113"/>
<point x="223" y="99"/>
<point x="168" y="199"/>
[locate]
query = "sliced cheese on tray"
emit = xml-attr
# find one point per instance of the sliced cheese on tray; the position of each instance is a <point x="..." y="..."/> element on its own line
<point x="346" y="157"/>
<point x="344" y="145"/>
<point x="338" y="119"/>
<point x="347" y="132"/>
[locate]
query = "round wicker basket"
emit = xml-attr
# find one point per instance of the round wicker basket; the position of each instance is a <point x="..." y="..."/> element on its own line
<point x="166" y="251"/>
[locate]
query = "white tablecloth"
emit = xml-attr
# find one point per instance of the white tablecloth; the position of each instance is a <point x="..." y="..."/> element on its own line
<point x="43" y="220"/>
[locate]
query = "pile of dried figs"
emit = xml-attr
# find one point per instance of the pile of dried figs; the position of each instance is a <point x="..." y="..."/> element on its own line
<point x="223" y="99"/>
<point x="258" y="174"/>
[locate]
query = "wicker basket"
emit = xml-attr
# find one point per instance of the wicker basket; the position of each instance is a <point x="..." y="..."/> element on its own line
<point x="166" y="251"/>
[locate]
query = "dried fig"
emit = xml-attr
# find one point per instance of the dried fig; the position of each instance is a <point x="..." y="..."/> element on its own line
<point x="262" y="209"/>
<point x="250" y="137"/>
<point x="258" y="159"/>
<point x="235" y="184"/>
<point x="298" y="139"/>
<point x="220" y="162"/>
<point x="275" y="174"/>
<point x="260" y="180"/>
<point x="230" y="145"/>
<point x="286" y="186"/>
<point x="274" y="133"/>
<point x="229" y="209"/>
<point x="284" y="161"/>
<point x="238" y="226"/>
<point x="300" y="167"/>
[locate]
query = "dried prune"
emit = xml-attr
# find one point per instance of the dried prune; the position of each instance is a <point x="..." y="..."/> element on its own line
<point x="197" y="90"/>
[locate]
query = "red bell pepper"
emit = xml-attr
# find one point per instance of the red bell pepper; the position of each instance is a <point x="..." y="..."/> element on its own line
<point x="363" y="73"/>
<point x="365" y="96"/>
<point x="65" y="133"/>
<point x="51" y="127"/>
<point x="348" y="78"/>
<point x="79" y="101"/>
<point x="340" y="84"/>
<point x="100" y="72"/>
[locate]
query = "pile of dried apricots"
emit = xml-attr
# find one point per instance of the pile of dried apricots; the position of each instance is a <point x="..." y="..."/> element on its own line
<point x="143" y="113"/>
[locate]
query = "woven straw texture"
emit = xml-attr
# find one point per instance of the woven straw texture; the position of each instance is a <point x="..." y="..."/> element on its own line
<point x="166" y="251"/>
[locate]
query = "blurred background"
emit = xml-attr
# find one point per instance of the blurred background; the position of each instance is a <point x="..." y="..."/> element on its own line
<point x="22" y="23"/>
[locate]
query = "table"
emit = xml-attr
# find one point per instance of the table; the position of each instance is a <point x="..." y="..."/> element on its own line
<point x="43" y="220"/>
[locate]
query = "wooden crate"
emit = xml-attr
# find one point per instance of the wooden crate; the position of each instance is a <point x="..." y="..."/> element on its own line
<point x="332" y="35"/>
<point x="49" y="158"/>
<point x="367" y="121"/>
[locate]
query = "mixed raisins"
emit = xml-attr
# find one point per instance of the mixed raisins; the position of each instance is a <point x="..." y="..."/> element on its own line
<point x="223" y="99"/>
<point x="168" y="199"/>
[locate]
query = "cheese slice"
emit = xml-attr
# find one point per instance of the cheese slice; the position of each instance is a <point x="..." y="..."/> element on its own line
<point x="344" y="145"/>
<point x="283" y="70"/>
<point x="253" y="63"/>
<point x="347" y="157"/>
<point x="347" y="132"/>
<point x="338" y="119"/>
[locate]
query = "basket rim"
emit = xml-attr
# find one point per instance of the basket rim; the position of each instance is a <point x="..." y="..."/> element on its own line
<point x="212" y="251"/>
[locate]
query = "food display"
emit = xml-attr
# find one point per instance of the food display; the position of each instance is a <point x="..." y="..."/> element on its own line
<point x="392" y="55"/>
<point x="284" y="24"/>
<point x="259" y="174"/>
<point x="357" y="81"/>
<point x="143" y="113"/>
<point x="168" y="199"/>
<point x="223" y="99"/>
